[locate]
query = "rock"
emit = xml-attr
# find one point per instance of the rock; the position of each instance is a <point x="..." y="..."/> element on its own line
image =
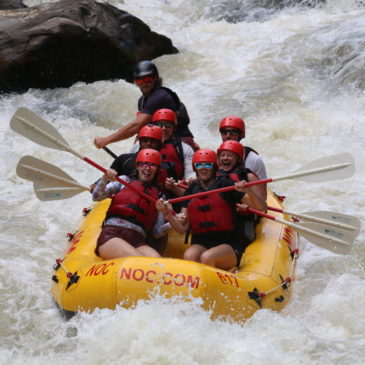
<point x="57" y="44"/>
<point x="11" y="4"/>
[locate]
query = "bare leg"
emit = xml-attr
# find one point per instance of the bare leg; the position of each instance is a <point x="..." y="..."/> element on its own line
<point x="194" y="252"/>
<point x="222" y="257"/>
<point x="146" y="250"/>
<point x="116" y="247"/>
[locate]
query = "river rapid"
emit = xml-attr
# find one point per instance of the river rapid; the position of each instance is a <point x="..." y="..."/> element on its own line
<point x="295" y="73"/>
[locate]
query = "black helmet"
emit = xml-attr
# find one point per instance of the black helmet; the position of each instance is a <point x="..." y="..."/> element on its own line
<point x="145" y="68"/>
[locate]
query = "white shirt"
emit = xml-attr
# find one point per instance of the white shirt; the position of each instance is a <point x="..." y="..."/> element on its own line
<point x="255" y="163"/>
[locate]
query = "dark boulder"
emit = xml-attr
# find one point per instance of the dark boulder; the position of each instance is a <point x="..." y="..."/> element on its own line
<point x="58" y="44"/>
<point x="11" y="4"/>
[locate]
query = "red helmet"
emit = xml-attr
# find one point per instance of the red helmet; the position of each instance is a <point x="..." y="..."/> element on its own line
<point x="233" y="146"/>
<point x="164" y="114"/>
<point x="233" y="122"/>
<point x="205" y="155"/>
<point x="151" y="131"/>
<point x="149" y="155"/>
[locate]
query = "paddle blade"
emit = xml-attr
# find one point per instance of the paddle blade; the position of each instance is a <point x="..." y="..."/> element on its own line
<point x="333" y="239"/>
<point x="331" y="166"/>
<point x="43" y="173"/>
<point x="33" y="127"/>
<point x="339" y="220"/>
<point x="55" y="193"/>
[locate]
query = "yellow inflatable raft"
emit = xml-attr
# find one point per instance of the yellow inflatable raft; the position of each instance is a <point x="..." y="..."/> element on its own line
<point x="82" y="281"/>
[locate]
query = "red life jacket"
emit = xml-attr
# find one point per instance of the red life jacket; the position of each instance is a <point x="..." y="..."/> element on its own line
<point x="131" y="206"/>
<point x="173" y="159"/>
<point x="210" y="213"/>
<point x="236" y="175"/>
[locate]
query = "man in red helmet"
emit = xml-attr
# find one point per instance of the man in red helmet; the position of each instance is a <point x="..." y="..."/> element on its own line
<point x="176" y="155"/>
<point x="150" y="136"/>
<point x="233" y="128"/>
<point x="154" y="97"/>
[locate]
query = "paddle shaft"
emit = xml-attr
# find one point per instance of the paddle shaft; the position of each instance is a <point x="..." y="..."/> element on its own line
<point x="264" y="181"/>
<point x="220" y="190"/>
<point x="67" y="148"/>
<point x="111" y="153"/>
<point x="312" y="218"/>
<point x="141" y="193"/>
<point x="299" y="228"/>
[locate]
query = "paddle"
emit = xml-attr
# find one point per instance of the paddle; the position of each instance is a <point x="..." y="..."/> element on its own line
<point x="333" y="239"/>
<point x="332" y="218"/>
<point x="111" y="153"/>
<point x="33" y="127"/>
<point x="50" y="182"/>
<point x="324" y="169"/>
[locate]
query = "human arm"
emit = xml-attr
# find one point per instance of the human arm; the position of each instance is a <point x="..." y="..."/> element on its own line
<point x="129" y="130"/>
<point x="178" y="222"/>
<point x="253" y="197"/>
<point x="160" y="228"/>
<point x="107" y="186"/>
<point x="172" y="185"/>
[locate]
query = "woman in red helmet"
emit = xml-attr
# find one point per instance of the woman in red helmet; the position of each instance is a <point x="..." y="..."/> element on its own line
<point x="233" y="128"/>
<point x="230" y="156"/>
<point x="130" y="217"/>
<point x="212" y="219"/>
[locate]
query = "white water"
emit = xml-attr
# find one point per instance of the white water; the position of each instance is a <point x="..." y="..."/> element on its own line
<point x="296" y="77"/>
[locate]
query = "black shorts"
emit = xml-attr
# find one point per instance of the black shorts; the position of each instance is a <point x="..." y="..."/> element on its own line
<point x="133" y="237"/>
<point x="214" y="239"/>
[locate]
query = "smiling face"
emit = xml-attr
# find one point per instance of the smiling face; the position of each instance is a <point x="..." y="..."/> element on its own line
<point x="203" y="172"/>
<point x="227" y="160"/>
<point x="146" y="171"/>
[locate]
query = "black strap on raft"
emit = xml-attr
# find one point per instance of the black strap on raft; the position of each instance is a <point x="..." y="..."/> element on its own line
<point x="255" y="295"/>
<point x="74" y="278"/>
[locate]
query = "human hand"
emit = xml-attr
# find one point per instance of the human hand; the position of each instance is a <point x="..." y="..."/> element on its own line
<point x="240" y="186"/>
<point x="242" y="208"/>
<point x="110" y="175"/>
<point x="181" y="217"/>
<point x="163" y="206"/>
<point x="187" y="182"/>
<point x="170" y="183"/>
<point x="100" y="142"/>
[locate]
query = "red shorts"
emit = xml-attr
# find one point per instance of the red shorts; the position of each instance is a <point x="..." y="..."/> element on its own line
<point x="133" y="237"/>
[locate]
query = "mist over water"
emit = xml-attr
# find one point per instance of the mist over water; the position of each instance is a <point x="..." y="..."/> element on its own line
<point x="294" y="71"/>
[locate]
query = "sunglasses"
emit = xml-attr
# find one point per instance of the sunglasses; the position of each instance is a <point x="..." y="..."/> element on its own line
<point x="141" y="80"/>
<point x="165" y="124"/>
<point x="206" y="165"/>
<point x="147" y="164"/>
<point x="230" y="131"/>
